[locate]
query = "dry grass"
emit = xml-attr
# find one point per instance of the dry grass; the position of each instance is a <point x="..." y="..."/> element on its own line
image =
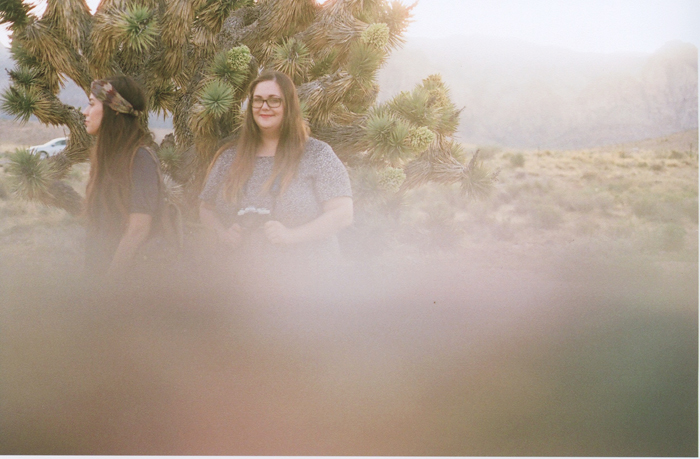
<point x="557" y="317"/>
<point x="600" y="198"/>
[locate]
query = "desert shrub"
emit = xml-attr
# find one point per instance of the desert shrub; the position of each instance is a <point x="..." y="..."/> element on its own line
<point x="370" y="235"/>
<point x="676" y="155"/>
<point x="619" y="185"/>
<point x="423" y="218"/>
<point x="676" y="207"/>
<point x="547" y="217"/>
<point x="3" y="190"/>
<point x="543" y="186"/>
<point x="657" y="167"/>
<point x="480" y="213"/>
<point x="602" y="163"/>
<point x="429" y="218"/>
<point x="532" y="187"/>
<point x="390" y="179"/>
<point x="646" y="208"/>
<point x="440" y="228"/>
<point x="672" y="237"/>
<point x="503" y="231"/>
<point x="578" y="202"/>
<point x="604" y="202"/>
<point x="583" y="204"/>
<point x="690" y="208"/>
<point x="78" y="175"/>
<point x="30" y="175"/>
<point x="517" y="160"/>
<point x="589" y="176"/>
<point x="171" y="159"/>
<point x="488" y="152"/>
<point x="621" y="230"/>
<point x="587" y="226"/>
<point x="512" y="191"/>
<point x="669" y="208"/>
<point x="371" y="187"/>
<point x="669" y="237"/>
<point x="503" y="197"/>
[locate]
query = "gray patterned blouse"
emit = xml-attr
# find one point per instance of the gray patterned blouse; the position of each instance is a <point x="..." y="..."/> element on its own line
<point x="321" y="176"/>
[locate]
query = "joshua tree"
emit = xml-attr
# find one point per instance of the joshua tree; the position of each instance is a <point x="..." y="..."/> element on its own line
<point x="195" y="59"/>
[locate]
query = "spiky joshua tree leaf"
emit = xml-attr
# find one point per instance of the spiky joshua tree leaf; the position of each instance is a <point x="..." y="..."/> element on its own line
<point x="139" y="29"/>
<point x="29" y="175"/>
<point x="23" y="102"/>
<point x="376" y="36"/>
<point x="217" y="98"/>
<point x="292" y="57"/>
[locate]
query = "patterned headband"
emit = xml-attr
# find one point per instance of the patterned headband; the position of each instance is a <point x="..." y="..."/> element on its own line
<point x="105" y="93"/>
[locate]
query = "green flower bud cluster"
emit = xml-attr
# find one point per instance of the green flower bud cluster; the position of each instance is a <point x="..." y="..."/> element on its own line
<point x="231" y="66"/>
<point x="420" y="138"/>
<point x="376" y="35"/>
<point x="437" y="90"/>
<point x="238" y="58"/>
<point x="391" y="179"/>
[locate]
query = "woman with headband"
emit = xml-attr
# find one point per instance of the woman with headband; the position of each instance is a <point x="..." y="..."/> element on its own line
<point x="123" y="193"/>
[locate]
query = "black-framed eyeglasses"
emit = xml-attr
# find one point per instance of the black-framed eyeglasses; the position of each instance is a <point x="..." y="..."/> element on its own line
<point x="272" y="102"/>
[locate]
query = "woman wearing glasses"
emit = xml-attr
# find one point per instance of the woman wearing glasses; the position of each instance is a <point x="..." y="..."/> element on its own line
<point x="275" y="190"/>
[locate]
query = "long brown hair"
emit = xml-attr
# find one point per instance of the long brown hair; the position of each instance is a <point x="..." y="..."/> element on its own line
<point x="293" y="137"/>
<point x="120" y="135"/>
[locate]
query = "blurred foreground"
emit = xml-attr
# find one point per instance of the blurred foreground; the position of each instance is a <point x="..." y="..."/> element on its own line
<point x="433" y="355"/>
<point x="557" y="317"/>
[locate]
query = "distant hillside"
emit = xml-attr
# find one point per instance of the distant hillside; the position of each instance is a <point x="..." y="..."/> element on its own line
<point x="520" y="95"/>
<point x="681" y="142"/>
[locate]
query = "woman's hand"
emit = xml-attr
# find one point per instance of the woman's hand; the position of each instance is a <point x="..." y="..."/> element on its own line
<point x="137" y="229"/>
<point x="231" y="237"/>
<point x="337" y="214"/>
<point x="277" y="233"/>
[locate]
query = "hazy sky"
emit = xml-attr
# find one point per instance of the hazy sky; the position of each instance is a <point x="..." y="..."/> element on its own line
<point x="582" y="25"/>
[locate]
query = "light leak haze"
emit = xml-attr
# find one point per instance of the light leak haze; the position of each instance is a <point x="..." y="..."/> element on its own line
<point x="580" y="25"/>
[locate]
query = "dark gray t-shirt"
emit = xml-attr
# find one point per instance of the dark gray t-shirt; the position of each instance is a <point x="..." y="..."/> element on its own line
<point x="103" y="238"/>
<point x="145" y="195"/>
<point x="321" y="176"/>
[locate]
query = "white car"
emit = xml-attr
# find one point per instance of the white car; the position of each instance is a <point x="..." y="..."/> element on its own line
<point x="50" y="148"/>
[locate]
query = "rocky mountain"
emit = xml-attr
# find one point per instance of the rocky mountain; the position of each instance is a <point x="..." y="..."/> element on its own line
<point x="517" y="94"/>
<point x="522" y="95"/>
